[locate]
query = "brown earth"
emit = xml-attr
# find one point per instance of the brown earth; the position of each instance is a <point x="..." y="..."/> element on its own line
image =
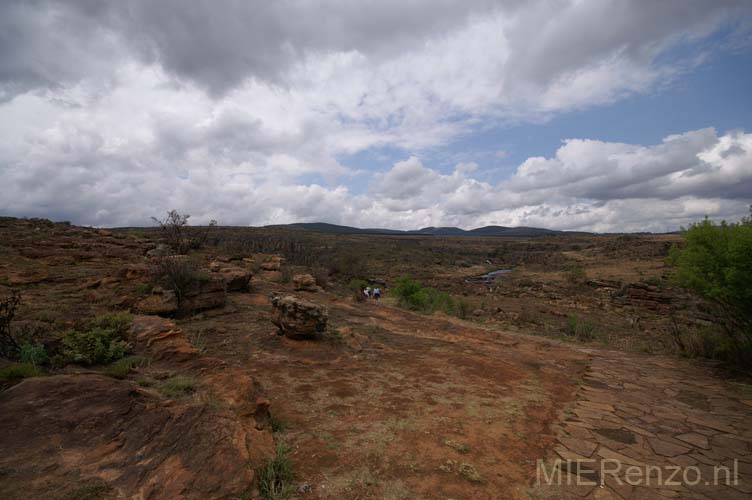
<point x="388" y="403"/>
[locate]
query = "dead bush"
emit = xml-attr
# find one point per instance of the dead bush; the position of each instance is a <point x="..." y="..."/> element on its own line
<point x="181" y="237"/>
<point x="176" y="273"/>
<point x="8" y="305"/>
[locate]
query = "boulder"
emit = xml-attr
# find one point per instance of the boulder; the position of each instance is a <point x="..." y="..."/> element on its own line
<point x="304" y="282"/>
<point x="161" y="250"/>
<point x="273" y="264"/>
<point x="134" y="272"/>
<point x="297" y="318"/>
<point x="206" y="292"/>
<point x="236" y="278"/>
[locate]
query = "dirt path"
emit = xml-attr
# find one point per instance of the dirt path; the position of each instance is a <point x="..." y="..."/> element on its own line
<point x="401" y="405"/>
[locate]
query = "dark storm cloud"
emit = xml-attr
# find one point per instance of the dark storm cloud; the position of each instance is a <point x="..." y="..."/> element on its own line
<point x="214" y="43"/>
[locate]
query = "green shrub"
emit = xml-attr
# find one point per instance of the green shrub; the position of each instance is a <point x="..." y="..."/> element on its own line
<point x="356" y="287"/>
<point x="102" y="341"/>
<point x="716" y="262"/>
<point x="462" y="308"/>
<point x="18" y="371"/>
<point x="276" y="477"/>
<point x="35" y="354"/>
<point x="123" y="367"/>
<point x="93" y="346"/>
<point x="406" y="289"/>
<point x="412" y="295"/>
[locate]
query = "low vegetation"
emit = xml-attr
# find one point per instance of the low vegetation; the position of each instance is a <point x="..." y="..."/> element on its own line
<point x="34" y="354"/>
<point x="17" y="371"/>
<point x="276" y="477"/>
<point x="178" y="386"/>
<point x="176" y="273"/>
<point x="277" y="424"/>
<point x="579" y="328"/>
<point x="125" y="366"/>
<point x="356" y="287"/>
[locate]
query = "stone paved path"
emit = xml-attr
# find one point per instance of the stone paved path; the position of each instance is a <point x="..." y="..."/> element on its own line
<point x="639" y="411"/>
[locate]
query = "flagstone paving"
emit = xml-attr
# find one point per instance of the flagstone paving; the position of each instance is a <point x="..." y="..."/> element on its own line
<point x="661" y="416"/>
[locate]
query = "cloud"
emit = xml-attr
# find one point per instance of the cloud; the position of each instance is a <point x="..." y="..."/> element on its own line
<point x="111" y="112"/>
<point x="696" y="163"/>
<point x="588" y="185"/>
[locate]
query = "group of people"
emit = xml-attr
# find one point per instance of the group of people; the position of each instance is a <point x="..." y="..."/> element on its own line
<point x="375" y="293"/>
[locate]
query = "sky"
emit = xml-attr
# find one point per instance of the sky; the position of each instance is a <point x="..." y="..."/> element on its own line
<point x="596" y="115"/>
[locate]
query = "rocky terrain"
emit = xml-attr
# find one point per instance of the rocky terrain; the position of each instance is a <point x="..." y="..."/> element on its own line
<point x="254" y="351"/>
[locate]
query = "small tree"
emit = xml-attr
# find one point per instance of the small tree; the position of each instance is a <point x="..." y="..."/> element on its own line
<point x="178" y="235"/>
<point x="716" y="262"/>
<point x="174" y="229"/>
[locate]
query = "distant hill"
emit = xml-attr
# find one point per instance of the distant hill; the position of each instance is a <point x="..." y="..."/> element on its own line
<point x="499" y="231"/>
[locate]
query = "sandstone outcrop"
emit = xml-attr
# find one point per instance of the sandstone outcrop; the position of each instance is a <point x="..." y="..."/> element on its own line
<point x="237" y="278"/>
<point x="297" y="318"/>
<point x="304" y="282"/>
<point x="204" y="293"/>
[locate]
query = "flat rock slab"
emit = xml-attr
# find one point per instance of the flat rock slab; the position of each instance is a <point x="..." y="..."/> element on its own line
<point x="660" y="412"/>
<point x="90" y="428"/>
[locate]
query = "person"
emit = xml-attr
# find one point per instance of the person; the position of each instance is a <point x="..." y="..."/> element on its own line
<point x="367" y="292"/>
<point x="376" y="293"/>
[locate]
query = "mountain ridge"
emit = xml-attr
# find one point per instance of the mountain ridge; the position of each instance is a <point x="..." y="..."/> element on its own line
<point x="493" y="231"/>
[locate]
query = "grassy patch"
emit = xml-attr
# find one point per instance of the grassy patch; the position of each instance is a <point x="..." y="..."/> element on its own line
<point x="396" y="490"/>
<point x="34" y="354"/>
<point x="580" y="329"/>
<point x="276" y="477"/>
<point x="277" y="424"/>
<point x="89" y="491"/>
<point x="457" y="446"/>
<point x="329" y="440"/>
<point x="18" y="371"/>
<point x="123" y="367"/>
<point x="197" y="340"/>
<point x="178" y="386"/>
